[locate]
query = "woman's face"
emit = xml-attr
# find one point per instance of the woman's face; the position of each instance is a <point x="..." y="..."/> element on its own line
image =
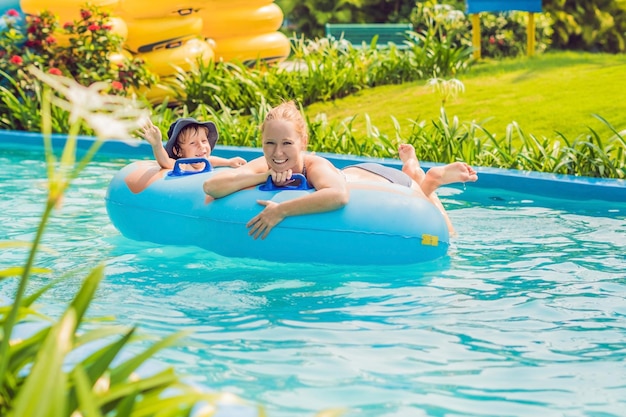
<point x="282" y="146"/>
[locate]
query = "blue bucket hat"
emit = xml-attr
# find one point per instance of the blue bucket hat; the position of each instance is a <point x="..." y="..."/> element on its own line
<point x="179" y="125"/>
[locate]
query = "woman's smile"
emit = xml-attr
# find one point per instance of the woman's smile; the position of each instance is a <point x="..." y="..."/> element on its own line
<point x="282" y="146"/>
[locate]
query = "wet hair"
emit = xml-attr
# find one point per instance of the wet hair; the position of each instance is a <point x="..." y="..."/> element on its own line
<point x="184" y="134"/>
<point x="288" y="111"/>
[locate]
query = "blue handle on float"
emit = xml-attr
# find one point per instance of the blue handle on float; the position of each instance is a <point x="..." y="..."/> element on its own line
<point x="177" y="171"/>
<point x="270" y="186"/>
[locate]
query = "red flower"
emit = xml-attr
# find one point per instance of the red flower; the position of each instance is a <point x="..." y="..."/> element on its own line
<point x="50" y="39"/>
<point x="32" y="43"/>
<point x="492" y="40"/>
<point x="107" y="27"/>
<point x="116" y="85"/>
<point x="16" y="59"/>
<point x="93" y="27"/>
<point x="68" y="25"/>
<point x="13" y="13"/>
<point x="85" y="14"/>
<point x="55" y="71"/>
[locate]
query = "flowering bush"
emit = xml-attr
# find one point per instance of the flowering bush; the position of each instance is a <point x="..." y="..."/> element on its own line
<point x="86" y="50"/>
<point x="504" y="34"/>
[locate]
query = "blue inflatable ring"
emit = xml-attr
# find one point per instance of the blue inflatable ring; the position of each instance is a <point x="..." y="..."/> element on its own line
<point x="383" y="224"/>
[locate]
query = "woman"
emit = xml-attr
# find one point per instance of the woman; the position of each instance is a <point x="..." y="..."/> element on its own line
<point x="285" y="139"/>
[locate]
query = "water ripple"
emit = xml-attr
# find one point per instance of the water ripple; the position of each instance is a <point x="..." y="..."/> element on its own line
<point x="525" y="317"/>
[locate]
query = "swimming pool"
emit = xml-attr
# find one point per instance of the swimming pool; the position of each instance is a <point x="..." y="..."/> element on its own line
<point x="526" y="316"/>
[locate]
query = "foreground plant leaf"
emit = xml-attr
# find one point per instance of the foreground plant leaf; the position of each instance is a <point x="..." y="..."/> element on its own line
<point x="46" y="381"/>
<point x="123" y="371"/>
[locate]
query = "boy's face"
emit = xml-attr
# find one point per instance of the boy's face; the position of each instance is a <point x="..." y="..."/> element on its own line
<point x="194" y="143"/>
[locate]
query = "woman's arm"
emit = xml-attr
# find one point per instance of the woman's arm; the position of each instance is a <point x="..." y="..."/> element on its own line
<point x="330" y="185"/>
<point x="331" y="194"/>
<point x="224" y="183"/>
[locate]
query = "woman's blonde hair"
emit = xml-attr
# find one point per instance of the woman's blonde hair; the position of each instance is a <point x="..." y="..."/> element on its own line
<point x="290" y="112"/>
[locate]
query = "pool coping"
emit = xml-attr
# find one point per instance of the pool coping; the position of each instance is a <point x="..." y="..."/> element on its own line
<point x="527" y="182"/>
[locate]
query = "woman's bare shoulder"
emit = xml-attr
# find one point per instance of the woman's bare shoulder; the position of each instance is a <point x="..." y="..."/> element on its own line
<point x="317" y="161"/>
<point x="321" y="173"/>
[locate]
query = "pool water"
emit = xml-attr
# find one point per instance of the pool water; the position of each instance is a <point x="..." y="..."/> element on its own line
<point x="525" y="317"/>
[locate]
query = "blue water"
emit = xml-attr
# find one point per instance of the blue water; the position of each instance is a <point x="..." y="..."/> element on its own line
<point x="525" y="317"/>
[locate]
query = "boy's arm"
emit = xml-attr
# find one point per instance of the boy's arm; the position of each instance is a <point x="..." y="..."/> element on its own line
<point x="153" y="136"/>
<point x="235" y="162"/>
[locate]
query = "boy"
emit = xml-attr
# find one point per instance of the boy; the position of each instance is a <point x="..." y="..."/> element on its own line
<point x="187" y="138"/>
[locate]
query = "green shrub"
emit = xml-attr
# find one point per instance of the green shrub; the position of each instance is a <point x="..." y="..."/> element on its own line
<point x="443" y="47"/>
<point x="326" y="70"/>
<point x="590" y="25"/>
<point x="505" y="34"/>
<point x="449" y="32"/>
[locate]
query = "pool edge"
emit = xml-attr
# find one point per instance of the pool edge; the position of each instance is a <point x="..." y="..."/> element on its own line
<point x="529" y="182"/>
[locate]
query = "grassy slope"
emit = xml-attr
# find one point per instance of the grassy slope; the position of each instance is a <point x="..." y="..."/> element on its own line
<point x="555" y="92"/>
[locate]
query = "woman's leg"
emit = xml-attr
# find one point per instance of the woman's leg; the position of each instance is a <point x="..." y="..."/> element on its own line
<point x="435" y="177"/>
<point x="410" y="163"/>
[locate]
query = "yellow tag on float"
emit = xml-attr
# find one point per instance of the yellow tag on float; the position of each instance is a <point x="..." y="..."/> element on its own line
<point x="430" y="240"/>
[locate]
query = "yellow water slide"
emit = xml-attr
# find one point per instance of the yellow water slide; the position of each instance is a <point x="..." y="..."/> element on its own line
<point x="169" y="35"/>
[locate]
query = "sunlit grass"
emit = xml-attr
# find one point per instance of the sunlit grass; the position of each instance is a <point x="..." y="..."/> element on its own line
<point x="546" y="94"/>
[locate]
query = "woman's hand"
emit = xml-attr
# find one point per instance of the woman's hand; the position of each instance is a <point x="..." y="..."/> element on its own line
<point x="281" y="178"/>
<point x="262" y="223"/>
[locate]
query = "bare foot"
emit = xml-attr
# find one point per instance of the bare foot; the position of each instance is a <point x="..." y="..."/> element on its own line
<point x="410" y="163"/>
<point x="448" y="174"/>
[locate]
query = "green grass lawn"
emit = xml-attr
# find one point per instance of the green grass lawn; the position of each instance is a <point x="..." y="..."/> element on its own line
<point x="545" y="94"/>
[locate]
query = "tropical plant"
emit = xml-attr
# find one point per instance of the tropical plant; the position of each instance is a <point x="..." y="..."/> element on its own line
<point x="328" y="69"/>
<point x="449" y="139"/>
<point x="591" y="25"/>
<point x="67" y="366"/>
<point x="442" y="47"/>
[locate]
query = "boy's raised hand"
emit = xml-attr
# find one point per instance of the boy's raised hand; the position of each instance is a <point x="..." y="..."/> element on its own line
<point x="152" y="134"/>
